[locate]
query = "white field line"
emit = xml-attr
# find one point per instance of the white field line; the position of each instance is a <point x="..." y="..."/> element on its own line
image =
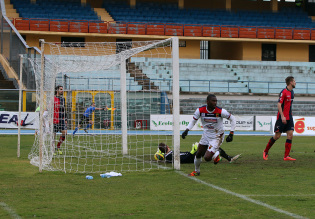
<point x="10" y="211"/>
<point x="292" y="195"/>
<point x="244" y="197"/>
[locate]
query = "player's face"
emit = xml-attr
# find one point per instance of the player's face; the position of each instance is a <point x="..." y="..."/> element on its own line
<point x="293" y="83"/>
<point x="212" y="103"/>
<point x="167" y="149"/>
<point x="60" y="91"/>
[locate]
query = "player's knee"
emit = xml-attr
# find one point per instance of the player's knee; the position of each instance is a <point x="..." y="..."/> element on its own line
<point x="290" y="136"/>
<point x="277" y="136"/>
<point x="208" y="156"/>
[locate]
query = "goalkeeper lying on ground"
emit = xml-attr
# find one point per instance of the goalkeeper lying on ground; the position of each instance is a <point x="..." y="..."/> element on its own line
<point x="188" y="156"/>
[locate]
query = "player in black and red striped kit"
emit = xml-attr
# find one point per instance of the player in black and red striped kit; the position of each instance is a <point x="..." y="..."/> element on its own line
<point x="60" y="117"/>
<point x="284" y="121"/>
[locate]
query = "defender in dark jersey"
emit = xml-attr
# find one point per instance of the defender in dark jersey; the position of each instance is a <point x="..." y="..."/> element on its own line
<point x="284" y="121"/>
<point x="189" y="156"/>
<point x="60" y="117"/>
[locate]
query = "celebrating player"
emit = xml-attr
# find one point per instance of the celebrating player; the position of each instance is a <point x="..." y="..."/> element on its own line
<point x="60" y="117"/>
<point x="284" y="121"/>
<point x="189" y="156"/>
<point x="213" y="131"/>
<point x="85" y="118"/>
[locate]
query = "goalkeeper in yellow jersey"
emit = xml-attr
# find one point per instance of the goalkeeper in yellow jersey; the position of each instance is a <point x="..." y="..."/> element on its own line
<point x="189" y="156"/>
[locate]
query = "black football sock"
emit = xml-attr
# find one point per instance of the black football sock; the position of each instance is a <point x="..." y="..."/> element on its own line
<point x="223" y="154"/>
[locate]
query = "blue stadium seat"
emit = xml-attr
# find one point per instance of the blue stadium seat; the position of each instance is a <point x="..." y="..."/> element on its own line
<point x="55" y="9"/>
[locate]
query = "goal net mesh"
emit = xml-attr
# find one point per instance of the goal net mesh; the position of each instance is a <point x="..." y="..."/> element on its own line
<point x="124" y="81"/>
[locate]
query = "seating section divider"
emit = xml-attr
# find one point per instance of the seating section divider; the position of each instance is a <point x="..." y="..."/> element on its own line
<point x="211" y="31"/>
<point x="284" y="33"/>
<point x="174" y="30"/>
<point x="193" y="30"/>
<point x="79" y="26"/>
<point x="248" y="32"/>
<point x="136" y="28"/>
<point x="39" y="25"/>
<point x="265" y="32"/>
<point x="155" y="29"/>
<point x="168" y="29"/>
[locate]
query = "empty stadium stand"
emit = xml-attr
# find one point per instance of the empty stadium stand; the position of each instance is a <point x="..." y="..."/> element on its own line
<point x="229" y="75"/>
<point x="156" y="18"/>
<point x="55" y="9"/>
<point x="170" y="13"/>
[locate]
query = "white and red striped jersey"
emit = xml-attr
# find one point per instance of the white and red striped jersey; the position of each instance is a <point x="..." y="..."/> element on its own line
<point x="212" y="122"/>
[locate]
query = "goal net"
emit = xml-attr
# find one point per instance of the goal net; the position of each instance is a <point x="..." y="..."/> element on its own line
<point x="102" y="116"/>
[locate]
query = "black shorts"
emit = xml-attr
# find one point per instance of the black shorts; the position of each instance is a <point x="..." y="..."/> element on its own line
<point x="84" y="120"/>
<point x="60" y="126"/>
<point x="280" y="127"/>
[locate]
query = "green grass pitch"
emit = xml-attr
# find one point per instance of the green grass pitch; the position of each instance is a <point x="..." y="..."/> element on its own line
<point x="249" y="188"/>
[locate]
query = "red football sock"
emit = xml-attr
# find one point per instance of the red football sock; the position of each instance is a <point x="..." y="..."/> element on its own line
<point x="269" y="145"/>
<point x="61" y="139"/>
<point x="288" y="144"/>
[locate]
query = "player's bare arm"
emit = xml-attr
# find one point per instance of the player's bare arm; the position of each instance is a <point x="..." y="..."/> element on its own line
<point x="284" y="120"/>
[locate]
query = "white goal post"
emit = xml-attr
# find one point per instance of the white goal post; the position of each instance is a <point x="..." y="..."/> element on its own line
<point x="110" y="90"/>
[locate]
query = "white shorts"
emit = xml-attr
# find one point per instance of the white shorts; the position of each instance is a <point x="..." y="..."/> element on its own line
<point x="213" y="143"/>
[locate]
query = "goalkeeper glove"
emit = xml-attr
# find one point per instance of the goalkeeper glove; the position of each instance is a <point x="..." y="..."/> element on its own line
<point x="185" y="133"/>
<point x="230" y="137"/>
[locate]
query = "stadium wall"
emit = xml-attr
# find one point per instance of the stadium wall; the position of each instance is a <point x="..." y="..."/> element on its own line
<point x="292" y="52"/>
<point x="251" y="51"/>
<point x="228" y="49"/>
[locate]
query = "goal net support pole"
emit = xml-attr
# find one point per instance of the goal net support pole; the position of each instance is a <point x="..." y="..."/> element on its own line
<point x="123" y="102"/>
<point x="176" y="110"/>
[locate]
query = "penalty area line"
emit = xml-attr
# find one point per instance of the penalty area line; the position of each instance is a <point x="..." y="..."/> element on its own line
<point x="244" y="197"/>
<point x="10" y="211"/>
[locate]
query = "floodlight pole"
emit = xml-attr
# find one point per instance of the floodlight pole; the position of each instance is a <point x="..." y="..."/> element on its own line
<point x="20" y="107"/>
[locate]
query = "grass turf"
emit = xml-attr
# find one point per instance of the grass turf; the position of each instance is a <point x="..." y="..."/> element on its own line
<point x="281" y="185"/>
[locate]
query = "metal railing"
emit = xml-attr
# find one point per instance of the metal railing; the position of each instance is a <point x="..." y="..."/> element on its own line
<point x="9" y="98"/>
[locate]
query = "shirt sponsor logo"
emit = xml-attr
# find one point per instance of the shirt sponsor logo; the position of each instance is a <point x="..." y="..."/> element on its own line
<point x="210" y="120"/>
<point x="210" y="126"/>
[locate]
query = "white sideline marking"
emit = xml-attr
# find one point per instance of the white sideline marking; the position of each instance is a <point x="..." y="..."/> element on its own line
<point x="9" y="210"/>
<point x="284" y="195"/>
<point x="241" y="196"/>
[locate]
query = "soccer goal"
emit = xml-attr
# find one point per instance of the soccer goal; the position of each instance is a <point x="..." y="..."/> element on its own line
<point x="112" y="93"/>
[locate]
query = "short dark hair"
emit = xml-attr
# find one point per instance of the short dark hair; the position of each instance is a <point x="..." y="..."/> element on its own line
<point x="57" y="88"/>
<point x="210" y="96"/>
<point x="289" y="79"/>
<point x="162" y="147"/>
